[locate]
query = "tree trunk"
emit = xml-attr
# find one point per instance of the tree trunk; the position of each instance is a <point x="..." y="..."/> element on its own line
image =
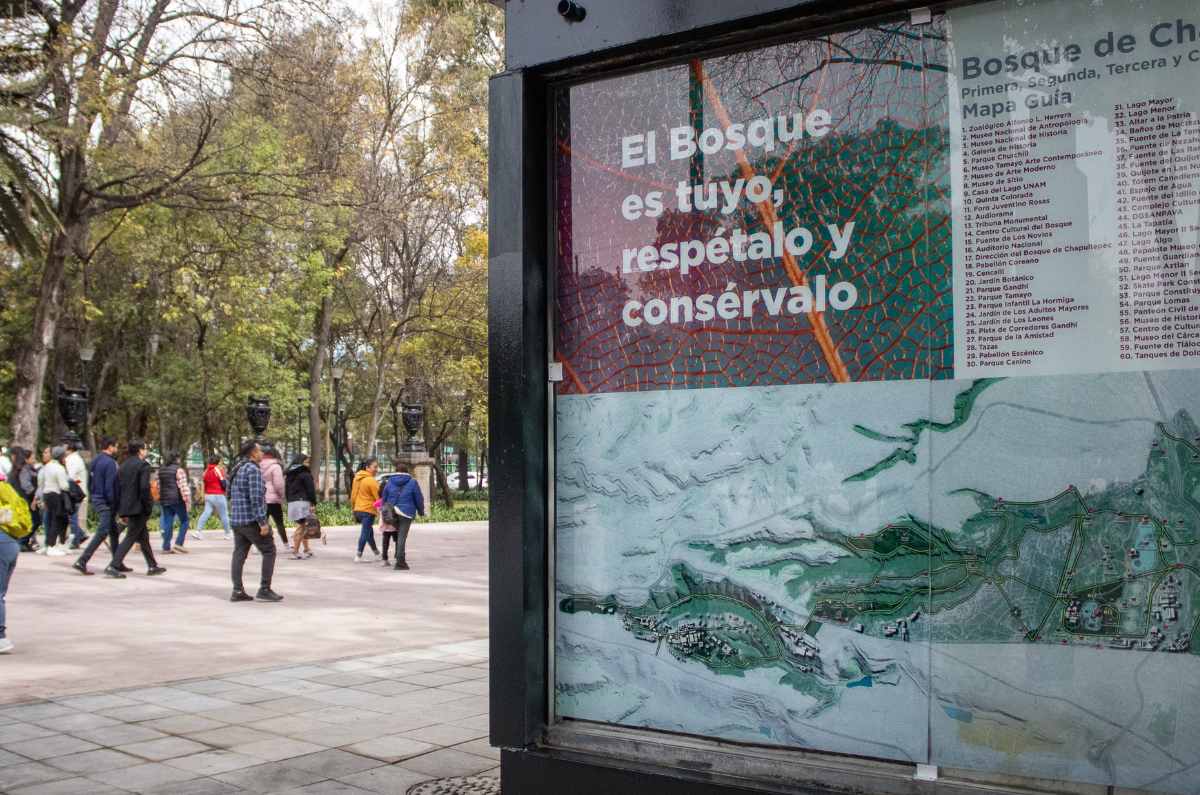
<point x="376" y="413"/>
<point x="34" y="356"/>
<point x="443" y="485"/>
<point x="464" y="463"/>
<point x="324" y="331"/>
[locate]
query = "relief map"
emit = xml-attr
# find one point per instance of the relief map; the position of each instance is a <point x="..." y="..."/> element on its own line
<point x="920" y="572"/>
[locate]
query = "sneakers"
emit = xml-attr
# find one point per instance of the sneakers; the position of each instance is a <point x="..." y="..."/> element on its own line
<point x="241" y="596"/>
<point x="157" y="570"/>
<point x="401" y="564"/>
<point x="358" y="558"/>
<point x="112" y="573"/>
<point x="307" y="554"/>
<point x="56" y="552"/>
<point x="41" y="550"/>
<point x="267" y="595"/>
<point x="124" y="569"/>
<point x="227" y="536"/>
<point x="6" y="645"/>
<point x="81" y="567"/>
<point x="196" y="534"/>
<point x="181" y="550"/>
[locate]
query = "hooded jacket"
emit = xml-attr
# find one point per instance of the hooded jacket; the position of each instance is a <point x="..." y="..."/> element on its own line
<point x="364" y="493"/>
<point x="403" y="494"/>
<point x="272" y="472"/>
<point x="299" y="485"/>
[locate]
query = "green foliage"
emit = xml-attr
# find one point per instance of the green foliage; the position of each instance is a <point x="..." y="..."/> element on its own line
<point x="469" y="510"/>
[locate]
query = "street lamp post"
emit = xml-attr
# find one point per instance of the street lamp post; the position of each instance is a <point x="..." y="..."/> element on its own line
<point x="87" y="352"/>
<point x="338" y="372"/>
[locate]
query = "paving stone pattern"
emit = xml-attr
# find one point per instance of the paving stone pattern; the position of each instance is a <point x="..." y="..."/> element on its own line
<point x="379" y="724"/>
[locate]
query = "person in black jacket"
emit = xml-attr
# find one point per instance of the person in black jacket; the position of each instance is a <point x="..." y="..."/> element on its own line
<point x="301" y="494"/>
<point x="134" y="505"/>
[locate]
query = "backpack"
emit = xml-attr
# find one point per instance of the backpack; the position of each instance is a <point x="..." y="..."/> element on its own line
<point x="20" y="524"/>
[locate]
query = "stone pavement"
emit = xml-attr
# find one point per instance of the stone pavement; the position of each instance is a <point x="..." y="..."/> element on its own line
<point x="368" y="724"/>
<point x="77" y="634"/>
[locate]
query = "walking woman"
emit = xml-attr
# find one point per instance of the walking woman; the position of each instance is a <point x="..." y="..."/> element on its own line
<point x="301" y="493"/>
<point x="24" y="479"/>
<point x="55" y="497"/>
<point x="272" y="472"/>
<point x="216" y="484"/>
<point x="364" y="493"/>
<point x="175" y="500"/>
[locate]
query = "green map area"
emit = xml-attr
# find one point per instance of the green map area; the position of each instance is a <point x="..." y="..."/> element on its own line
<point x="1118" y="567"/>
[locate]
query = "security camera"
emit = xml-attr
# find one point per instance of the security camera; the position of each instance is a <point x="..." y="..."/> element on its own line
<point x="572" y="12"/>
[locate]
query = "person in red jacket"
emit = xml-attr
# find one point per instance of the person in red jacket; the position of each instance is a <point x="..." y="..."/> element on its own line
<point x="215" y="499"/>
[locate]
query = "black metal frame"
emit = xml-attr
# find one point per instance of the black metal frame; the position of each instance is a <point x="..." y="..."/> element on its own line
<point x="520" y="290"/>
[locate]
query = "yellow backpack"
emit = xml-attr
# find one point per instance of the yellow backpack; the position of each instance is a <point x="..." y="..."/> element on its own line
<point x="20" y="524"/>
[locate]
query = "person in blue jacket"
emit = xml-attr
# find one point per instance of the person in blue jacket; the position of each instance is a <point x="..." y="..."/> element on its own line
<point x="106" y="490"/>
<point x="403" y="495"/>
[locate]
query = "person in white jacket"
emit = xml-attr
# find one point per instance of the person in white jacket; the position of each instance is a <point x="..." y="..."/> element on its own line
<point x="77" y="471"/>
<point x="55" y="488"/>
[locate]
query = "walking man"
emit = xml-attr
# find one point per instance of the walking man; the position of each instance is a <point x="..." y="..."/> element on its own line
<point x="105" y="493"/>
<point x="248" y="514"/>
<point x="134" y="505"/>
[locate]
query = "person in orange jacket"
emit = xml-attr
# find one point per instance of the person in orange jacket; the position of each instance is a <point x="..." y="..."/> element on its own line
<point x="364" y="493"/>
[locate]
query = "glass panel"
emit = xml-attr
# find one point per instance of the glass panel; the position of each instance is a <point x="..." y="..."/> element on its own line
<point x="1076" y="142"/>
<point x="753" y="293"/>
<point x="897" y="455"/>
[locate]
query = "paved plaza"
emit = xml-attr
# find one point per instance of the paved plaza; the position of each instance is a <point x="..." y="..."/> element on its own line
<point x="77" y="634"/>
<point x="362" y="680"/>
<point x="375" y="724"/>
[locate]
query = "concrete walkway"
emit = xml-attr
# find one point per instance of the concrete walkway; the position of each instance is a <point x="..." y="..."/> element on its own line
<point x="77" y="634"/>
<point x="368" y="724"/>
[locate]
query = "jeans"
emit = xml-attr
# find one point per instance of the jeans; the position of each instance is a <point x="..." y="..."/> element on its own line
<point x="220" y="504"/>
<point x="136" y="534"/>
<point x="9" y="550"/>
<point x="402" y="528"/>
<point x="78" y="522"/>
<point x="275" y="512"/>
<point x="244" y="537"/>
<point x="167" y="521"/>
<point x="107" y="528"/>
<point x="366" y="536"/>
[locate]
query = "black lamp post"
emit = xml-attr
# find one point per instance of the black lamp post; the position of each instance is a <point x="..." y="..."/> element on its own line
<point x="73" y="408"/>
<point x="337" y="372"/>
<point x="413" y="412"/>
<point x="258" y="414"/>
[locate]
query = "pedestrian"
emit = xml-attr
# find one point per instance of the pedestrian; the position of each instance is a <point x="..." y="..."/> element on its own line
<point x="55" y="497"/>
<point x="216" y="486"/>
<point x="301" y="493"/>
<point x="134" y="505"/>
<point x="248" y="512"/>
<point x="364" y="492"/>
<point x="77" y="473"/>
<point x="6" y="464"/>
<point x="272" y="472"/>
<point x="15" y="524"/>
<point x="24" y="480"/>
<point x="104" y="497"/>
<point x="174" y="502"/>
<point x="402" y="496"/>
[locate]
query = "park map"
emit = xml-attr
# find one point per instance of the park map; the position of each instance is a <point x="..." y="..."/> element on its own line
<point x="1118" y="568"/>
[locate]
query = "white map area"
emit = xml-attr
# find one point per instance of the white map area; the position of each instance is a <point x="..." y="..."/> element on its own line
<point x="641" y="476"/>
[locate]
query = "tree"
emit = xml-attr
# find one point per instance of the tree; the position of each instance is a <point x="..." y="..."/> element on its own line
<point x="98" y="74"/>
